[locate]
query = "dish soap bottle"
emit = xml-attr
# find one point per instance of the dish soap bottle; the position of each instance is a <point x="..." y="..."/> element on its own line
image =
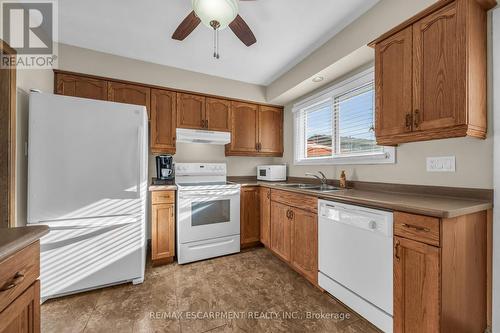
<point x="343" y="181"/>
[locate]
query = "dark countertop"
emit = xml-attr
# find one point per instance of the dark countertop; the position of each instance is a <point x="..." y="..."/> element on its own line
<point x="430" y="205"/>
<point x="15" y="239"/>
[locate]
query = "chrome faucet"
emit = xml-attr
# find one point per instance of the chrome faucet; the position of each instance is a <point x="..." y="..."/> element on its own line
<point x="322" y="179"/>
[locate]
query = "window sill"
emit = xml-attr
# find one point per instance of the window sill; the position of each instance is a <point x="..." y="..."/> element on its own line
<point x="386" y="157"/>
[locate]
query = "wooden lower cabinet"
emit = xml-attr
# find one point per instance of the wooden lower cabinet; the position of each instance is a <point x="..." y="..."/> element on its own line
<point x="249" y="217"/>
<point x="20" y="291"/>
<point x="265" y="216"/>
<point x="440" y="283"/>
<point x="23" y="315"/>
<point x="281" y="226"/>
<point x="416" y="286"/>
<point x="304" y="243"/>
<point x="162" y="227"/>
<point x="294" y="233"/>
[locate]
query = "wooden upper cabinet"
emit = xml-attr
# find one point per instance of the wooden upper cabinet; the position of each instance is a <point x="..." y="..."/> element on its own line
<point x="417" y="286"/>
<point x="393" y="87"/>
<point x="244" y="129"/>
<point x="445" y="45"/>
<point x="81" y="86"/>
<point x="265" y="216"/>
<point x="281" y="227"/>
<point x="438" y="75"/>
<point x="163" y="121"/>
<point x="249" y="216"/>
<point x="218" y="114"/>
<point x="190" y="111"/>
<point x="304" y="243"/>
<point x="130" y="94"/>
<point x="270" y="130"/>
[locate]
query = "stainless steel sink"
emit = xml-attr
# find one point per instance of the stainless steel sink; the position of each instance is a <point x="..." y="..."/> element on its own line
<point x="302" y="186"/>
<point x="312" y="187"/>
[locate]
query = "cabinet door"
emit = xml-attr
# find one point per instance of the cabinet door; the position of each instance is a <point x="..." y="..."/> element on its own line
<point x="163" y="121"/>
<point x="163" y="231"/>
<point x="190" y="111"/>
<point x="244" y="131"/>
<point x="439" y="93"/>
<point x="393" y="77"/>
<point x="280" y="230"/>
<point x="304" y="246"/>
<point x="270" y="130"/>
<point x="23" y="314"/>
<point x="265" y="216"/>
<point x="81" y="86"/>
<point x="416" y="286"/>
<point x="249" y="219"/>
<point x="130" y="94"/>
<point x="218" y="114"/>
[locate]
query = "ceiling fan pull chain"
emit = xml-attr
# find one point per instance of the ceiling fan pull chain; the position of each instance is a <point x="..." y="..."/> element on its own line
<point x="217" y="32"/>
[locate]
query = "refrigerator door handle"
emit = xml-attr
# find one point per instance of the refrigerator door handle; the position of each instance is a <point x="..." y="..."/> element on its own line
<point x="140" y="158"/>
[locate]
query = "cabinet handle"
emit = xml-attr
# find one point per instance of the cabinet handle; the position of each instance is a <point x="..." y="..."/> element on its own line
<point x="268" y="195"/>
<point x="416" y="227"/>
<point x="206" y="123"/>
<point x="202" y="123"/>
<point x="17" y="279"/>
<point x="396" y="250"/>
<point x="291" y="214"/>
<point x="408" y="121"/>
<point x="417" y="118"/>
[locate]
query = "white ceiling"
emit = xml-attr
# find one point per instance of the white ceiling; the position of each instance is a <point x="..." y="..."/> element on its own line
<point x="286" y="31"/>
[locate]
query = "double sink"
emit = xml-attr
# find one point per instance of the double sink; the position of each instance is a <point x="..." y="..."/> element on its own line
<point x="312" y="187"/>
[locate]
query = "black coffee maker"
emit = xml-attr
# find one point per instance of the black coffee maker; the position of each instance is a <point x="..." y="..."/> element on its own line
<point x="164" y="167"/>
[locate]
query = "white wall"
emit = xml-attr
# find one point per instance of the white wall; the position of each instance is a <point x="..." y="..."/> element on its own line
<point x="496" y="120"/>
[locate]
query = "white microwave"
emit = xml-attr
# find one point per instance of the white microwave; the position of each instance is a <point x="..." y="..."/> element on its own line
<point x="271" y="173"/>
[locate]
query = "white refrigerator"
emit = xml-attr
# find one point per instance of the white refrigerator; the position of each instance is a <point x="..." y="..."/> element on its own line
<point x="87" y="180"/>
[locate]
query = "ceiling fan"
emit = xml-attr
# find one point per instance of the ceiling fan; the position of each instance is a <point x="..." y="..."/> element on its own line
<point x="217" y="15"/>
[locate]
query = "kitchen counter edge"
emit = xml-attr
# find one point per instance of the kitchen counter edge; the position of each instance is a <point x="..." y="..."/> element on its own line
<point x="15" y="239"/>
<point x="369" y="199"/>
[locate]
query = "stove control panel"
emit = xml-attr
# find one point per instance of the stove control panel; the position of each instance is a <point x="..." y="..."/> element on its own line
<point x="200" y="169"/>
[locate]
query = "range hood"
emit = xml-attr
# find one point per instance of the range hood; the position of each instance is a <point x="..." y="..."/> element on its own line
<point x="200" y="136"/>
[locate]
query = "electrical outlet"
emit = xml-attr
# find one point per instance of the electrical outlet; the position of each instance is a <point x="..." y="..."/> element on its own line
<point x="441" y="164"/>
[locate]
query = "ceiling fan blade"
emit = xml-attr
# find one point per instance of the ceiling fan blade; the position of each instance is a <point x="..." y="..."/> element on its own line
<point x="242" y="31"/>
<point x="186" y="27"/>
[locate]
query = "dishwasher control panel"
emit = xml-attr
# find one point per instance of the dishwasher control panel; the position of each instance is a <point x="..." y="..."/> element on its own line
<point x="373" y="220"/>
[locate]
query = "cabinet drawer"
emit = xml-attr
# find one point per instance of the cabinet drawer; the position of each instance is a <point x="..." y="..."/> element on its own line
<point x="163" y="197"/>
<point x="305" y="202"/>
<point x="420" y="228"/>
<point x="18" y="272"/>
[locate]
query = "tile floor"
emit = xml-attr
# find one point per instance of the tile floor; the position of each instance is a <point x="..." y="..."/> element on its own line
<point x="252" y="291"/>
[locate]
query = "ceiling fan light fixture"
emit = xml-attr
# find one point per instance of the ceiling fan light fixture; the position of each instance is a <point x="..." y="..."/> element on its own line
<point x="221" y="11"/>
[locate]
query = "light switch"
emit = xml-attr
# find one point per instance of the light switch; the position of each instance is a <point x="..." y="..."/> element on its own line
<point x="441" y="164"/>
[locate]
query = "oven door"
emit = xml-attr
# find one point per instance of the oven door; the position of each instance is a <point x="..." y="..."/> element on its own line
<point x="208" y="214"/>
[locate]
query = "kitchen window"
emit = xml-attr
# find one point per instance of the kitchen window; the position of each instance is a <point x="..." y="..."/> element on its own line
<point x="336" y="126"/>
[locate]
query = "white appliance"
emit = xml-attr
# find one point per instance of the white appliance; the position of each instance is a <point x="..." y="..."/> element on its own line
<point x="208" y="212"/>
<point x="87" y="180"/>
<point x="271" y="173"/>
<point x="185" y="135"/>
<point x="355" y="259"/>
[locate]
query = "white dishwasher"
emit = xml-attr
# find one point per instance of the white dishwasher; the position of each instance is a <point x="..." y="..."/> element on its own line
<point x="355" y="259"/>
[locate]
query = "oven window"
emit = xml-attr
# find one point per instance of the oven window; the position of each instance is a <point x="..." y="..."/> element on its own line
<point x="210" y="212"/>
<point x="262" y="172"/>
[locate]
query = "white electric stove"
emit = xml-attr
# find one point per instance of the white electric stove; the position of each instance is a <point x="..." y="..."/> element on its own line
<point x="208" y="212"/>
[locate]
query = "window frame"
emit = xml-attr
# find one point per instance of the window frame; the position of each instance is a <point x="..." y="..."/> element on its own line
<point x="386" y="156"/>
